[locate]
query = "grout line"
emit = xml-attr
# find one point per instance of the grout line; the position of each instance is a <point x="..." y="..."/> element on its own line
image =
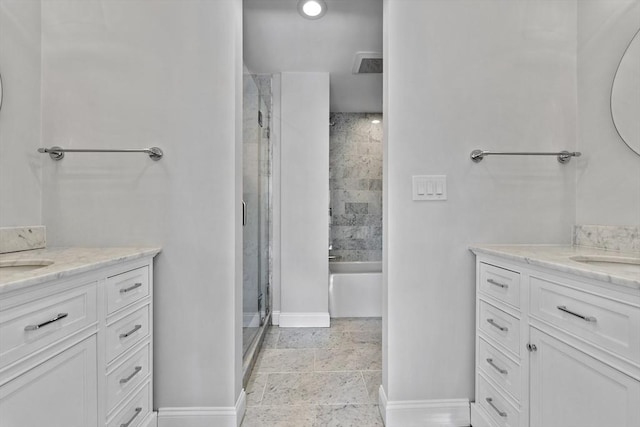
<point x="365" y="385"/>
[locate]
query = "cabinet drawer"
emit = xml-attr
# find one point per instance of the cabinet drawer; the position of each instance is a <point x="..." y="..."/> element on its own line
<point x="127" y="288"/>
<point x="496" y="405"/>
<point x="127" y="376"/>
<point x="502" y="327"/>
<point x="126" y="332"/>
<point x="29" y="327"/>
<point x="500" y="283"/>
<point x="135" y="411"/>
<point x="501" y="369"/>
<point x="610" y="324"/>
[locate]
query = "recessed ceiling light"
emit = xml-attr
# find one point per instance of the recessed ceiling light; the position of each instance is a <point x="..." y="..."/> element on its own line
<point x="312" y="9"/>
<point x="375" y="121"/>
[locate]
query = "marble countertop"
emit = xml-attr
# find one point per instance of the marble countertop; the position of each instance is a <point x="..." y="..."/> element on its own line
<point x="66" y="262"/>
<point x="559" y="258"/>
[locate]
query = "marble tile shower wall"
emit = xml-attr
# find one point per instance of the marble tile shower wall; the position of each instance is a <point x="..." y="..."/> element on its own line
<point x="355" y="183"/>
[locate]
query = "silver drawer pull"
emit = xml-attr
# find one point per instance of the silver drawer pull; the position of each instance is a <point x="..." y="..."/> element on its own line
<point x="138" y="410"/>
<point x="135" y="329"/>
<point x="59" y="316"/>
<point x="135" y="372"/>
<point x="493" y="282"/>
<point x="495" y="325"/>
<point x="585" y="318"/>
<point x="496" y="367"/>
<point x="501" y="413"/>
<point x="130" y="288"/>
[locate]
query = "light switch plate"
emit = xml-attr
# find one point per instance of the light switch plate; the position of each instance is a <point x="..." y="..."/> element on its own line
<point x="429" y="187"/>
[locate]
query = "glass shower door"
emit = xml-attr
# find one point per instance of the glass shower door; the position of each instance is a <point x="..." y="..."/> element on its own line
<point x="256" y="205"/>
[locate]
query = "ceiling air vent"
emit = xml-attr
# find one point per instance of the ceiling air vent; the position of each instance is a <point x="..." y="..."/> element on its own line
<point x="367" y="63"/>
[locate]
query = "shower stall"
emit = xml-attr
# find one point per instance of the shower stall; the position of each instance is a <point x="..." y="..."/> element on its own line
<point x="257" y="211"/>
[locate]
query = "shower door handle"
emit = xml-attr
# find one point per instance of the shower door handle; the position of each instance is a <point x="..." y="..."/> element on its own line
<point x="244" y="213"/>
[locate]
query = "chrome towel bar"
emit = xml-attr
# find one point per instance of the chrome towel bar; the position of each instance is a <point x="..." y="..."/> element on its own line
<point x="563" y="156"/>
<point x="57" y="153"/>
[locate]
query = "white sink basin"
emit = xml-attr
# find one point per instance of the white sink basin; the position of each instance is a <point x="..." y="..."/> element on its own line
<point x="609" y="262"/>
<point x="20" y="266"/>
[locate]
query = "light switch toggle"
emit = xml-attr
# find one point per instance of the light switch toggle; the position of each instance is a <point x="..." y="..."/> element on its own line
<point x="421" y="188"/>
<point x="429" y="187"/>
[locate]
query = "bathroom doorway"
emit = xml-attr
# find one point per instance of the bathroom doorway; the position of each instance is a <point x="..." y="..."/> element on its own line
<point x="346" y="43"/>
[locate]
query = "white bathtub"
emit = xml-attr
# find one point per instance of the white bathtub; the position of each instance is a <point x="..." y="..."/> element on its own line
<point x="355" y="289"/>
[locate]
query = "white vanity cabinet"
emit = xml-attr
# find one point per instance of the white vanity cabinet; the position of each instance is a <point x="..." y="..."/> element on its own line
<point x="554" y="349"/>
<point x="77" y="351"/>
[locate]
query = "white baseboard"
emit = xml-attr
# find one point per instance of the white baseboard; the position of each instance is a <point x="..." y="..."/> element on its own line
<point x="230" y="416"/>
<point x="275" y="318"/>
<point x="424" y="413"/>
<point x="304" y="320"/>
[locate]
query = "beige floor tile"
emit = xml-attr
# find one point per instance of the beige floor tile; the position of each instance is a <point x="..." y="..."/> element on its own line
<point x="351" y="358"/>
<point x="312" y="338"/>
<point x="366" y="337"/>
<point x="337" y="359"/>
<point x="322" y="388"/>
<point x="357" y="324"/>
<point x="348" y="416"/>
<point x="280" y="416"/>
<point x="370" y="357"/>
<point x="255" y="388"/>
<point x="372" y="380"/>
<point x="285" y="360"/>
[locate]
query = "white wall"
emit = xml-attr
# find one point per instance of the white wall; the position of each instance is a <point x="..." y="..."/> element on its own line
<point x="609" y="174"/>
<point x="134" y="74"/>
<point x="304" y="196"/>
<point x="20" y="163"/>
<point x="462" y="75"/>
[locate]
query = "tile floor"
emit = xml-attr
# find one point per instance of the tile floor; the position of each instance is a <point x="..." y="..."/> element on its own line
<point x="318" y="377"/>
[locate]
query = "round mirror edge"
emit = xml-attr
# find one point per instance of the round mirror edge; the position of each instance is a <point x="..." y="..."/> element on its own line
<point x="613" y="82"/>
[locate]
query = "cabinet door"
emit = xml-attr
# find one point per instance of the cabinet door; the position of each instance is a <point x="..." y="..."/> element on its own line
<point x="61" y="392"/>
<point x="572" y="389"/>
